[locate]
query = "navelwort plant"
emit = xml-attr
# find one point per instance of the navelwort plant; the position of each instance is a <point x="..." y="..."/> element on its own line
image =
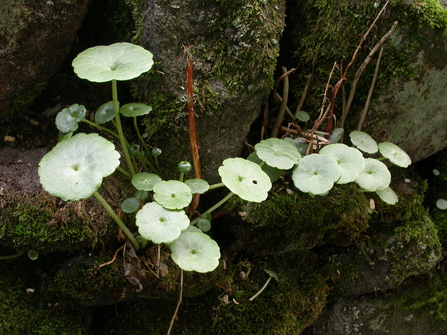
<point x="75" y="168"/>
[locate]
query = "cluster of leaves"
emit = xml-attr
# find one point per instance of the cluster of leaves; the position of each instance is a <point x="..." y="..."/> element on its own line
<point x="76" y="166"/>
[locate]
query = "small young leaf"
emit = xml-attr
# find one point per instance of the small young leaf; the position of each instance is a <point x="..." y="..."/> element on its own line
<point x="198" y="186"/>
<point x="277" y="153"/>
<point x="119" y="61"/>
<point x="375" y="176"/>
<point x="302" y="116"/>
<point x="204" y="225"/>
<point x="160" y="225"/>
<point x="195" y="251"/>
<point x="316" y="174"/>
<point x="363" y="141"/>
<point x="145" y="181"/>
<point x="245" y="178"/>
<point x="130" y="205"/>
<point x="140" y="195"/>
<point x="441" y="204"/>
<point x="74" y="169"/>
<point x="395" y="154"/>
<point x="67" y="119"/>
<point x="350" y="161"/>
<point x="105" y="113"/>
<point x="135" y="109"/>
<point x="172" y="194"/>
<point x="388" y="195"/>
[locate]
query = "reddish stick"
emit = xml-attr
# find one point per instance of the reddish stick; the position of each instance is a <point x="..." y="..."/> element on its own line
<point x="192" y="127"/>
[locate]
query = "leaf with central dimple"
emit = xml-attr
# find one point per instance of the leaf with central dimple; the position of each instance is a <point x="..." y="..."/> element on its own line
<point x="277" y="153"/>
<point x="395" y="154"/>
<point x="135" y="109"/>
<point x="198" y="186"/>
<point x="119" y="61"/>
<point x="160" y="225"/>
<point x="245" y="178"/>
<point x="316" y="174"/>
<point x="375" y="176"/>
<point x="145" y="181"/>
<point x="105" y="113"/>
<point x="350" y="161"/>
<point x="363" y="141"/>
<point x="195" y="251"/>
<point x="172" y="194"/>
<point x="74" y="169"/>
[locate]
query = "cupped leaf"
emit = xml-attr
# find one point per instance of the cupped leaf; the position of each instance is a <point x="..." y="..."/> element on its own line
<point x="363" y="141"/>
<point x="272" y="172"/>
<point x="204" y="225"/>
<point x="195" y="251"/>
<point x="388" y="195"/>
<point x="336" y="135"/>
<point x="302" y="116"/>
<point x="160" y="225"/>
<point x="198" y="186"/>
<point x="119" y="61"/>
<point x="74" y="169"/>
<point x="395" y="154"/>
<point x="375" y="176"/>
<point x="105" y="113"/>
<point x="172" y="194"/>
<point x="350" y="161"/>
<point x="67" y="119"/>
<point x="135" y="109"/>
<point x="316" y="174"/>
<point x="277" y="153"/>
<point x="130" y="205"/>
<point x="245" y="178"/>
<point x="145" y="181"/>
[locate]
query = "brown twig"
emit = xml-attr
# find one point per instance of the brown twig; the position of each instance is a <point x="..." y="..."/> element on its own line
<point x="113" y="259"/>
<point x="178" y="303"/>
<point x="360" y="71"/>
<point x="285" y="97"/>
<point x="371" y="90"/>
<point x="192" y="126"/>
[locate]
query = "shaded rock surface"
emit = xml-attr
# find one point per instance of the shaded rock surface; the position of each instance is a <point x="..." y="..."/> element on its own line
<point x="234" y="45"/>
<point x="35" y="37"/>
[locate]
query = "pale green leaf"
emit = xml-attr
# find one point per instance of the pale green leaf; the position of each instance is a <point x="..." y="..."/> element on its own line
<point x="172" y="194"/>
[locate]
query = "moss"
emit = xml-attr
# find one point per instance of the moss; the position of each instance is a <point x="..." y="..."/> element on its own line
<point x="23" y="101"/>
<point x="44" y="227"/>
<point x="285" y="307"/>
<point x="26" y="309"/>
<point x="286" y="222"/>
<point x="322" y="32"/>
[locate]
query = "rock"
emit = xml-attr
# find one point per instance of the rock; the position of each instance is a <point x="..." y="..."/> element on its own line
<point x="35" y="37"/>
<point x="234" y="46"/>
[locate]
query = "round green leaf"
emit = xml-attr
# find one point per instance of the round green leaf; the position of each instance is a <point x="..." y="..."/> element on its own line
<point x="363" y="141"/>
<point x="388" y="195"/>
<point x="350" y="161"/>
<point x="277" y="153"/>
<point x="105" y="113"/>
<point x="33" y="255"/>
<point x="140" y="195"/>
<point x="145" y="181"/>
<point x="74" y="169"/>
<point x="316" y="174"/>
<point x="441" y="204"/>
<point x="204" y="225"/>
<point x="272" y="172"/>
<point x="395" y="154"/>
<point x="199" y="186"/>
<point x="302" y="116"/>
<point x="119" y="61"/>
<point x="195" y="251"/>
<point x="375" y="176"/>
<point x="172" y="194"/>
<point x="67" y="119"/>
<point x="246" y="179"/>
<point x="135" y="109"/>
<point x="336" y="135"/>
<point x="130" y="205"/>
<point x="160" y="225"/>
